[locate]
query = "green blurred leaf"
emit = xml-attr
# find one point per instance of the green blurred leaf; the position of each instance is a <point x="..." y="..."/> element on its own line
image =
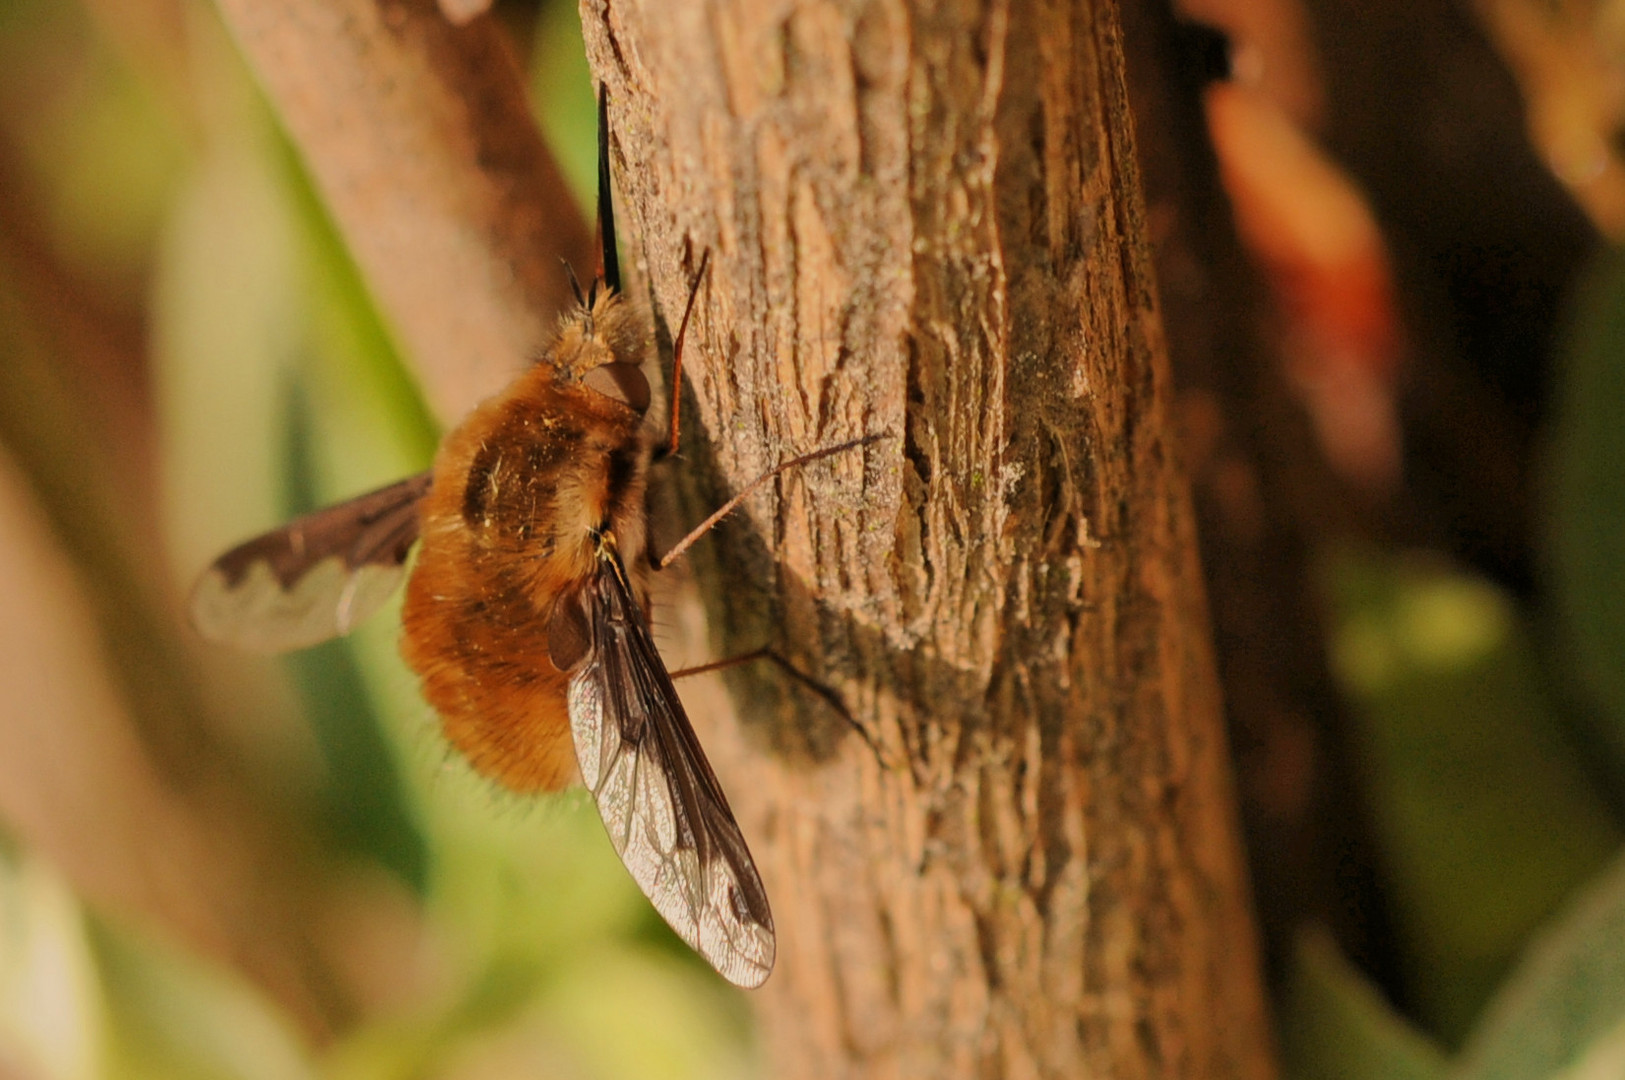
<point x="51" y="1017"/>
<point x="561" y="91"/>
<point x="366" y="804"/>
<point x="1485" y="816"/>
<point x="685" y="1027"/>
<point x="528" y="883"/>
<point x="1564" y="1006"/>
<point x="1587" y="501"/>
<point x="227" y="313"/>
<point x="356" y="420"/>
<point x="89" y="145"/>
<point x="1604" y="1059"/>
<point x="177" y="1017"/>
<point x="1336" y="1026"/>
<point x="370" y="422"/>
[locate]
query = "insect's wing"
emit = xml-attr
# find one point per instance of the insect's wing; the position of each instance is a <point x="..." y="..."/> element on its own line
<point x="664" y="810"/>
<point x="314" y="578"/>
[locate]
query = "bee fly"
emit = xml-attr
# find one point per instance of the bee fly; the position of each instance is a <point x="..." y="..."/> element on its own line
<point x="525" y="613"/>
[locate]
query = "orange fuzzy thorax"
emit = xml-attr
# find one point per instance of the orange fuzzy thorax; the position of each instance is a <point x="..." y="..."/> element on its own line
<point x="508" y="527"/>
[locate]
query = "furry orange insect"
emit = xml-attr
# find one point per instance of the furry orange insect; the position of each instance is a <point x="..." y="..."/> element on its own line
<point x="525" y="612"/>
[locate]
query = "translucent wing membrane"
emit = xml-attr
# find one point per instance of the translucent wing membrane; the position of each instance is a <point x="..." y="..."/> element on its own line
<point x="664" y="810"/>
<point x="314" y="578"/>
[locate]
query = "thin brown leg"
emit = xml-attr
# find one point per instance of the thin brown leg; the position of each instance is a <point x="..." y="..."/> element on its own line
<point x="677" y="352"/>
<point x="767" y="652"/>
<point x="733" y="504"/>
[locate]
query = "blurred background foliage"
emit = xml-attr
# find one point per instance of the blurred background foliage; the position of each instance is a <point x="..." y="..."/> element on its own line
<point x="219" y="866"/>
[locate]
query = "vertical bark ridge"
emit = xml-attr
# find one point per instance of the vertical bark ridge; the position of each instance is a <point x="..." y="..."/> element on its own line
<point x="926" y="219"/>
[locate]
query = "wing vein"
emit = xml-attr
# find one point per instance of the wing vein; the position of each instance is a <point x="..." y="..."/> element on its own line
<point x="661" y="803"/>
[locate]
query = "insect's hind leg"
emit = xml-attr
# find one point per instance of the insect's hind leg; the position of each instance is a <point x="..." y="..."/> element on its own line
<point x="767" y="652"/>
<point x="828" y="695"/>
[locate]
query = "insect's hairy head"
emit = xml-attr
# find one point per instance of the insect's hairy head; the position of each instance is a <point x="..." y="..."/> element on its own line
<point x="608" y="329"/>
<point x="603" y="345"/>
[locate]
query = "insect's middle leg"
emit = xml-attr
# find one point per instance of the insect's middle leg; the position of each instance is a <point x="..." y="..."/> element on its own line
<point x="733" y="504"/>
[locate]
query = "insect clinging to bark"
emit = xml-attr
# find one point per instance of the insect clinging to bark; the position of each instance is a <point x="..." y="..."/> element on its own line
<point x="526" y="609"/>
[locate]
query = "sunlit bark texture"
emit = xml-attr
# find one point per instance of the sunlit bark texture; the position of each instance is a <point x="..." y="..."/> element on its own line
<point x="925" y="220"/>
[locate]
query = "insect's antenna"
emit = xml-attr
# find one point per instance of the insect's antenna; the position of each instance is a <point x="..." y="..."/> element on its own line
<point x="609" y="264"/>
<point x="575" y="286"/>
<point x="677" y="352"/>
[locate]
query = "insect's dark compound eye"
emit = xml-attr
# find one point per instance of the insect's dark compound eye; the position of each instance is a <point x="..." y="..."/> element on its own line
<point x="623" y="382"/>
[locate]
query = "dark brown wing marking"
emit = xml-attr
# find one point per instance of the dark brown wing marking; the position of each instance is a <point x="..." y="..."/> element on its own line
<point x="661" y="804"/>
<point x="314" y="578"/>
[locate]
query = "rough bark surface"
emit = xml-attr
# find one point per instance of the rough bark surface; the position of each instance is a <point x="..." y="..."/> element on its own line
<point x="925" y="220"/>
<point x="418" y="134"/>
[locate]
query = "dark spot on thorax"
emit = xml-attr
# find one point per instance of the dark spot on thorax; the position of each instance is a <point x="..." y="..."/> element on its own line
<point x="477" y="491"/>
<point x="514" y="475"/>
<point x="623" y="466"/>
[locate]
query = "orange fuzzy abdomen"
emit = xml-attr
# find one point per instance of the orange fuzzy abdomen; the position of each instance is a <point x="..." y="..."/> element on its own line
<point x="506" y="530"/>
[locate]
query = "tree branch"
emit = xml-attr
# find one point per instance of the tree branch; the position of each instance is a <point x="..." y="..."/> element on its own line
<point x="418" y="135"/>
<point x="926" y="220"/>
